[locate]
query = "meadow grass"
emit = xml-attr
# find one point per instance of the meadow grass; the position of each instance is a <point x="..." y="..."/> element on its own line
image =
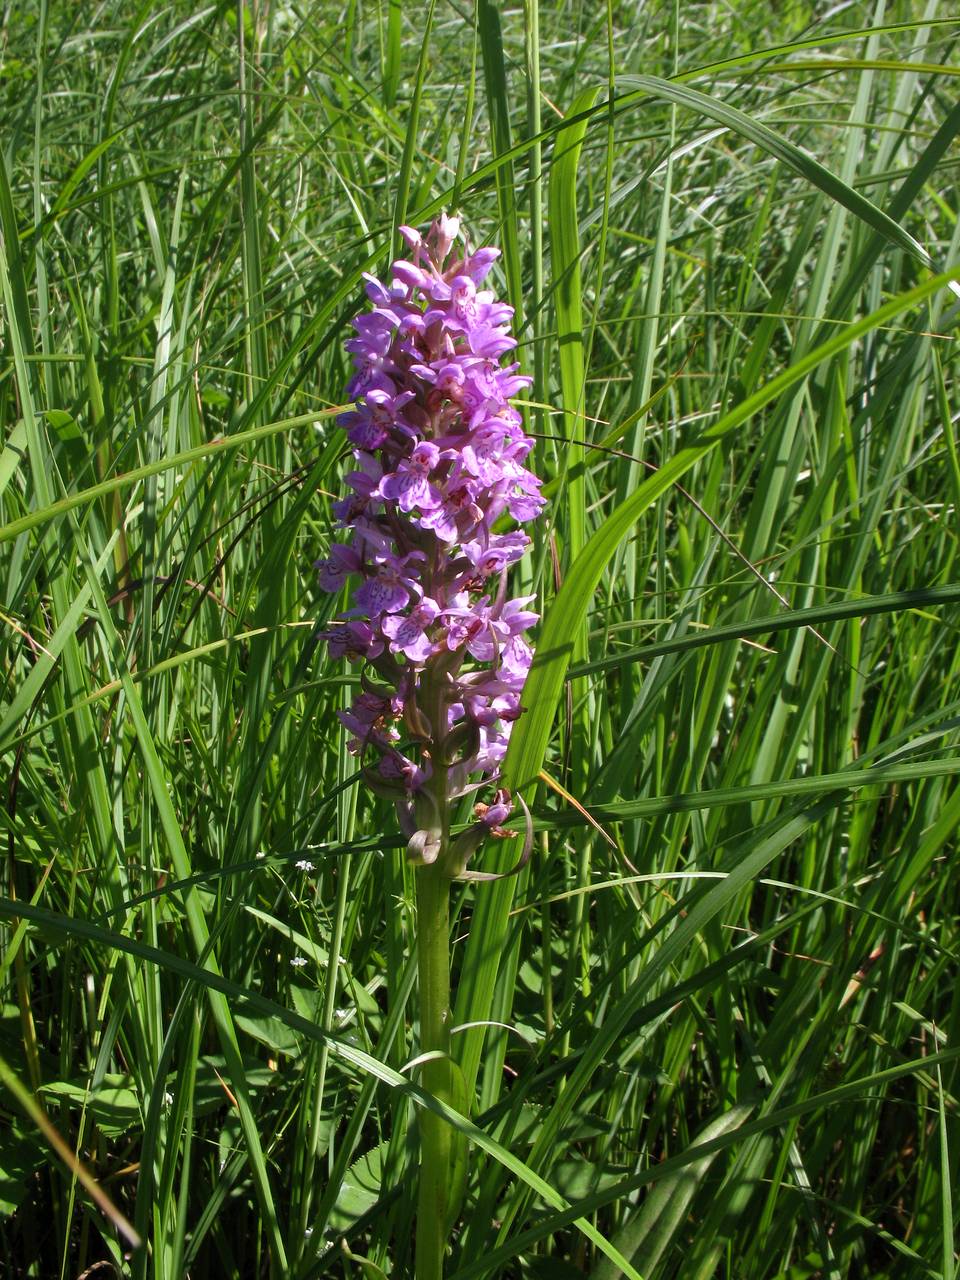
<point x="710" y="1030"/>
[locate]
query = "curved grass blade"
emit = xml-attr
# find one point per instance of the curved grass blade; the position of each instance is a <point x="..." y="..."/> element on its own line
<point x="61" y="929"/>
<point x="39" y="1117"/>
<point x="789" y="620"/>
<point x="125" y="479"/>
<point x="845" y="1093"/>
<point x="528" y="743"/>
<point x="800" y="161"/>
<point x="565" y="250"/>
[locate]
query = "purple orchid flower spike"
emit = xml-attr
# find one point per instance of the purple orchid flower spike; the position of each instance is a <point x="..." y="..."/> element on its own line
<point x="440" y="454"/>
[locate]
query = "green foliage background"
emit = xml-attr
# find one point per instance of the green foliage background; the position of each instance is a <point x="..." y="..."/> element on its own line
<point x="714" y="1022"/>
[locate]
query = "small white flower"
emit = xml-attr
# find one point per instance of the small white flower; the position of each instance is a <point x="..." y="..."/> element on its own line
<point x="304" y="865"/>
<point x="298" y="961"/>
<point x="261" y="854"/>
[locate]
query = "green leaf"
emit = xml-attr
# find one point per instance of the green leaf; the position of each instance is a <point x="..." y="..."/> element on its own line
<point x="577" y="1179"/>
<point x="273" y="1033"/>
<point x="113" y="1105"/>
<point x="210" y="978"/>
<point x="14" y="453"/>
<point x="20" y="1158"/>
<point x="359" y="1190"/>
<point x="64" y="425"/>
<point x="648" y="1234"/>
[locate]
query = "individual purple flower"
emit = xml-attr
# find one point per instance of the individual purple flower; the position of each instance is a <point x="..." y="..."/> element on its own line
<point x="396" y="767"/>
<point x="387" y="589"/>
<point x="440" y="459"/>
<point x="342" y="562"/>
<point x="370" y="426"/>
<point x="408" y="635"/>
<point x="353" y="640"/>
<point x="410" y="484"/>
<point x="465" y="623"/>
<point x="515" y="660"/>
<point x="456" y="514"/>
<point x="494" y="553"/>
<point x="363" y="483"/>
<point x="493" y="815"/>
<point x="369" y="720"/>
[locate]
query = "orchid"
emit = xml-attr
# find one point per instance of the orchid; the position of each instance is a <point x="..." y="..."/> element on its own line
<point x="440" y="453"/>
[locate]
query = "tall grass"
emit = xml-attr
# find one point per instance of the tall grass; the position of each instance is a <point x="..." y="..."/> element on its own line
<point x="712" y="1027"/>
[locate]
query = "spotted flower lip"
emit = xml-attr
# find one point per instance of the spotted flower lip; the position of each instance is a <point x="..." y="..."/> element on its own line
<point x="440" y="455"/>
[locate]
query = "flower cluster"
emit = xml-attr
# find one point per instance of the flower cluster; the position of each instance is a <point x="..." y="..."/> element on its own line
<point x="439" y="484"/>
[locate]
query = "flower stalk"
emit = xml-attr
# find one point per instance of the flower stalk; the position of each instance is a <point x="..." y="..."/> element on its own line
<point x="436" y="1136"/>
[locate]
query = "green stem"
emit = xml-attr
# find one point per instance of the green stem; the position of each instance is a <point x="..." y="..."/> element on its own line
<point x="433" y="959"/>
<point x="433" y="941"/>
